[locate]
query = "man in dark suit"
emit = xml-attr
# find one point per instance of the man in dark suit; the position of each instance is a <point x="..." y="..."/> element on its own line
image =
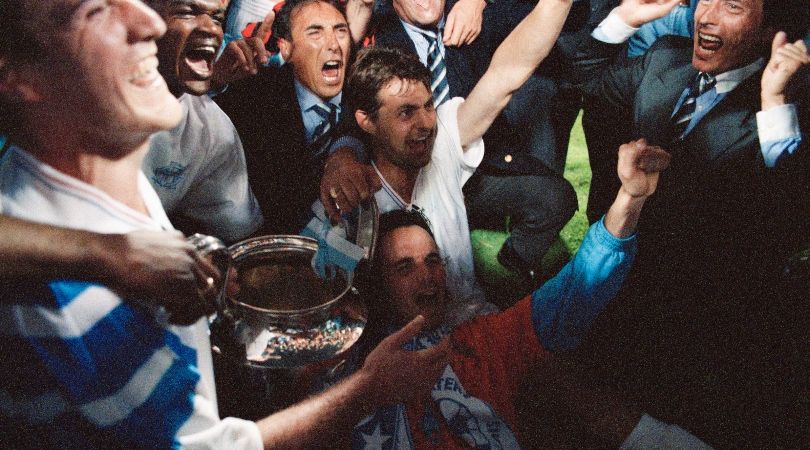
<point x="686" y="334"/>
<point x="287" y="117"/>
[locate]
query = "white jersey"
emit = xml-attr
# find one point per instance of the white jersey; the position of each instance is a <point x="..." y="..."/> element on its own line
<point x="438" y="193"/>
<point x="199" y="172"/>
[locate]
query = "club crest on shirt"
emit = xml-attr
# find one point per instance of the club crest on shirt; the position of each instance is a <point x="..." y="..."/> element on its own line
<point x="168" y="177"/>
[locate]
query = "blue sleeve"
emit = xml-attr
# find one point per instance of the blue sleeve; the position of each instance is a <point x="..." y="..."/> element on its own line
<point x="564" y="308"/>
<point x="678" y="23"/>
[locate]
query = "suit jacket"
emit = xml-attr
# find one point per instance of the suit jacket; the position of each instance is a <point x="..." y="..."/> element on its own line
<point x="283" y="172"/>
<point x="712" y="241"/>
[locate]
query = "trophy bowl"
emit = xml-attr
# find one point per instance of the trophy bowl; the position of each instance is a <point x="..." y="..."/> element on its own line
<point x="279" y="314"/>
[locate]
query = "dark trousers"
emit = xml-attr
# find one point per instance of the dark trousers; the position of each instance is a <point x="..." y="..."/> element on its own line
<point x="538" y="206"/>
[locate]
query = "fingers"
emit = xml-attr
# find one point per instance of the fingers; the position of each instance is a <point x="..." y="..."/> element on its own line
<point x="472" y="36"/>
<point x="779" y="40"/>
<point x="405" y="333"/>
<point x="329" y="206"/>
<point x="653" y="159"/>
<point x="449" y="27"/>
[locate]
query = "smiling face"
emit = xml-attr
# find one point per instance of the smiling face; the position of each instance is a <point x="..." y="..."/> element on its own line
<point x="728" y="34"/>
<point x="404" y="129"/>
<point x="193" y="36"/>
<point x="99" y="74"/>
<point x="420" y="13"/>
<point x="318" y="48"/>
<point x="413" y="276"/>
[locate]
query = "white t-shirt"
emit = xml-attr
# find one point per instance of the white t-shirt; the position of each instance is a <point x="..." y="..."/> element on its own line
<point x="438" y="194"/>
<point x="35" y="191"/>
<point x="198" y="170"/>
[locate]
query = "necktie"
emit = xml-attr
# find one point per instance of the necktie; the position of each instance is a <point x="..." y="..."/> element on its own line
<point x="438" y="70"/>
<point x="680" y="120"/>
<point x="328" y="113"/>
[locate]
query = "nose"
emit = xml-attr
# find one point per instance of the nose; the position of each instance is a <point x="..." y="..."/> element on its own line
<point x="706" y="12"/>
<point x="426" y="118"/>
<point x="143" y="23"/>
<point x="207" y="24"/>
<point x="332" y="41"/>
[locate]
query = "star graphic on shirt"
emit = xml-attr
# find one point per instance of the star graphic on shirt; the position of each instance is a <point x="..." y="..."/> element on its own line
<point x="375" y="440"/>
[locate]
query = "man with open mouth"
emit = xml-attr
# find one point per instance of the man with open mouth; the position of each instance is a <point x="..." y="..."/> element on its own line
<point x="287" y="117"/>
<point x="729" y="213"/>
<point x="199" y="168"/>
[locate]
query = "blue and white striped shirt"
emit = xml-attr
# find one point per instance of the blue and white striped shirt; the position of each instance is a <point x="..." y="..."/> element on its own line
<point x="85" y="369"/>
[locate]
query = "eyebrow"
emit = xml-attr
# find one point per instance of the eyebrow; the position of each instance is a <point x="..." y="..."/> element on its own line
<point x="196" y="6"/>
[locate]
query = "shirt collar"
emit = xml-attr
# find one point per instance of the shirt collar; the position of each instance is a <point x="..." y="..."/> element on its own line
<point x="727" y="81"/>
<point x="307" y="99"/>
<point x="413" y="29"/>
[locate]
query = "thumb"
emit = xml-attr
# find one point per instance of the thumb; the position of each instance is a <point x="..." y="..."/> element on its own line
<point x="405" y="333"/>
<point x="373" y="180"/>
<point x="779" y="40"/>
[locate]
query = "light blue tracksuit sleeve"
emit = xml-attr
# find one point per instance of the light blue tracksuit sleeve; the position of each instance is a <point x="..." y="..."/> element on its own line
<point x="564" y="308"/>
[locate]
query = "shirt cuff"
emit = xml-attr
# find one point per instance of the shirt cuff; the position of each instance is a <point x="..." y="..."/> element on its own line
<point x="613" y="30"/>
<point x="602" y="236"/>
<point x="651" y="433"/>
<point x="777" y="123"/>
<point x="351" y="142"/>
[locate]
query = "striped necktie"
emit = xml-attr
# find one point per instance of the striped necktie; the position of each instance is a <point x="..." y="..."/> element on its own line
<point x="438" y="69"/>
<point x="328" y="113"/>
<point x="680" y="120"/>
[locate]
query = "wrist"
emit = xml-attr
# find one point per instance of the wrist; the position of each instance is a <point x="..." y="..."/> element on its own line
<point x="772" y="100"/>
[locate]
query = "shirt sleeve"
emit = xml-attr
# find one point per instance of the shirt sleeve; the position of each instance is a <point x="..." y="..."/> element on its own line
<point x="221" y="197"/>
<point x="613" y="30"/>
<point x="564" y="308"/>
<point x="779" y="133"/>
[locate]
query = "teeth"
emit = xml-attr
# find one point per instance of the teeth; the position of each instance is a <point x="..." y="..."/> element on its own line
<point x="146" y="68"/>
<point x="331" y="65"/>
<point x="706" y="37"/>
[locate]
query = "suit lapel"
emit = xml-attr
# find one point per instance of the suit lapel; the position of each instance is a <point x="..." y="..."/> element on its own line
<point x="656" y="102"/>
<point x="731" y="124"/>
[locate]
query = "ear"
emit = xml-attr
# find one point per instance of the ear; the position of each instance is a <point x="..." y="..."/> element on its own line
<point x="285" y="48"/>
<point x="16" y="85"/>
<point x="364" y="121"/>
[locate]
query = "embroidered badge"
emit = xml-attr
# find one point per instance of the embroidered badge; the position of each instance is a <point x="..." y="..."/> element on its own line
<point x="168" y="177"/>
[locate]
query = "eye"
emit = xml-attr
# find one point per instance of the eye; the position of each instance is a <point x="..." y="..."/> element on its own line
<point x="434" y="261"/>
<point x="403" y="269"/>
<point x="95" y="9"/>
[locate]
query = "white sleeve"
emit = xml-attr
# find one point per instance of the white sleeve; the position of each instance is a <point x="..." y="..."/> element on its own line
<point x="230" y="433"/>
<point x="466" y="159"/>
<point x="613" y="30"/>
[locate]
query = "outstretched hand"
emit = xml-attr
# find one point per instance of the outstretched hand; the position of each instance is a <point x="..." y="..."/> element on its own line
<point x="399" y="374"/>
<point x="638" y="12"/>
<point x="639" y="166"/>
<point x="786" y="60"/>
<point x="243" y="57"/>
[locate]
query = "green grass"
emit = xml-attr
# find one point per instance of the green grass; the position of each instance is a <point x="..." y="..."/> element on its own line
<point x="486" y="243"/>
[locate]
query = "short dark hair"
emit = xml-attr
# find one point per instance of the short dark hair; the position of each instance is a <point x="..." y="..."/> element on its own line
<point x="374" y="68"/>
<point x="790" y="16"/>
<point x="282" y="24"/>
<point x="399" y="218"/>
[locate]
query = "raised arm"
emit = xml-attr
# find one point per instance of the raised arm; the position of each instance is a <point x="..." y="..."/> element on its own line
<point x="564" y="308"/>
<point x="358" y="16"/>
<point x="514" y="61"/>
